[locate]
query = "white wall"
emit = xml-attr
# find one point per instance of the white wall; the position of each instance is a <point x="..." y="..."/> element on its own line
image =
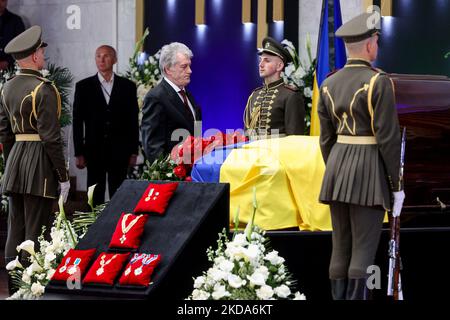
<point x="109" y="22"/>
<point x="309" y="16"/>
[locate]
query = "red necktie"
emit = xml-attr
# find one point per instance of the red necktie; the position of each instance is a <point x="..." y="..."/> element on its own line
<point x="186" y="104"/>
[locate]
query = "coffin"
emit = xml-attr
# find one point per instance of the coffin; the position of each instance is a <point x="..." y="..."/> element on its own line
<point x="423" y="105"/>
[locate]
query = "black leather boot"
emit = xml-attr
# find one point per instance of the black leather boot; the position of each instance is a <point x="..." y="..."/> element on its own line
<point x="338" y="288"/>
<point x="357" y="290"/>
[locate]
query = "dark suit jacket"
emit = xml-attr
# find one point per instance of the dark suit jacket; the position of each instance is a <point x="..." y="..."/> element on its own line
<point x="164" y="112"/>
<point x="11" y="25"/>
<point x="100" y="129"/>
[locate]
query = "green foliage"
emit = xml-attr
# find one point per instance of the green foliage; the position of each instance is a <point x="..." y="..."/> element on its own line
<point x="63" y="79"/>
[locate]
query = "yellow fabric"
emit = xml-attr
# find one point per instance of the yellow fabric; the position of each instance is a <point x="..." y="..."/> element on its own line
<point x="287" y="173"/>
<point x="315" y="124"/>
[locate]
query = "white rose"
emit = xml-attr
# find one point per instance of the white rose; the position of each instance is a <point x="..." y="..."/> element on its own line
<point x="156" y="72"/>
<point x="252" y="252"/>
<point x="50" y="257"/>
<point x="274" y="258"/>
<point x="282" y="291"/>
<point x="307" y="92"/>
<point x="146" y="62"/>
<point x="264" y="293"/>
<point x="219" y="292"/>
<point x="37" y="289"/>
<point x="136" y="74"/>
<point x="239" y="240"/>
<point x="226" y="266"/>
<point x="264" y="271"/>
<point x="146" y="71"/>
<point x="217" y="274"/>
<point x="50" y="273"/>
<point x="26" y="277"/>
<point x="14" y="264"/>
<point x="299" y="296"/>
<point x="200" y="295"/>
<point x="199" y="281"/>
<point x="27" y="246"/>
<point x="152" y="60"/>
<point x="236" y="281"/>
<point x="257" y="279"/>
<point x="289" y="69"/>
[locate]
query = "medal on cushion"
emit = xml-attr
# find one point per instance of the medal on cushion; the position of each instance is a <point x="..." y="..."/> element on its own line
<point x="64" y="267"/>
<point x="150" y="194"/>
<point x="126" y="228"/>
<point x="145" y="261"/>
<point x="103" y="264"/>
<point x="74" y="268"/>
<point x="136" y="257"/>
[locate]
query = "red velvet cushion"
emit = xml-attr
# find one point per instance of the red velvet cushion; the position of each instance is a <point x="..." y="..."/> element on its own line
<point x="105" y="268"/>
<point x="140" y="269"/>
<point x="129" y="231"/>
<point x="156" y="197"/>
<point x="73" y="261"/>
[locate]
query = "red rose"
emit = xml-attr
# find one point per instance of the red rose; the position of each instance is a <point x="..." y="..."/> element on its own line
<point x="180" y="171"/>
<point x="188" y="179"/>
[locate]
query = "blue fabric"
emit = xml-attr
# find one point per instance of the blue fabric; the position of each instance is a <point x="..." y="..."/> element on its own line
<point x="324" y="65"/>
<point x="207" y="168"/>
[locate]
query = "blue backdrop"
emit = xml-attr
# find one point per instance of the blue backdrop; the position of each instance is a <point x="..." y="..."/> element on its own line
<point x="225" y="63"/>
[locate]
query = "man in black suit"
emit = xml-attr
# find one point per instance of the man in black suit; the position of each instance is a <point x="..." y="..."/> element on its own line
<point x="169" y="111"/>
<point x="105" y="125"/>
<point x="11" y="25"/>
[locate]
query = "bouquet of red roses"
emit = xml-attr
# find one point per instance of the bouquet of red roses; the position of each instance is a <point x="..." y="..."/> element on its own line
<point x="193" y="148"/>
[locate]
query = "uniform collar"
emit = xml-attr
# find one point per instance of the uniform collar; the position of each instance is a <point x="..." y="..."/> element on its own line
<point x="273" y="84"/>
<point x="358" y="61"/>
<point x="30" y="72"/>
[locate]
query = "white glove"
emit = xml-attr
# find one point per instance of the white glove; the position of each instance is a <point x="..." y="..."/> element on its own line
<point x="65" y="187"/>
<point x="399" y="196"/>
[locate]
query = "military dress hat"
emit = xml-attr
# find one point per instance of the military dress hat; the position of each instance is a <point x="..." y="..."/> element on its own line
<point x="25" y="43"/>
<point x="273" y="47"/>
<point x="359" y="28"/>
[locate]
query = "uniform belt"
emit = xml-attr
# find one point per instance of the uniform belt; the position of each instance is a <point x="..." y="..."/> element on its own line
<point x="356" y="139"/>
<point x="27" y="137"/>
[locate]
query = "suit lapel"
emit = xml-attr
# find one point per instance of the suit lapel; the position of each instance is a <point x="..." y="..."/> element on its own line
<point x="99" y="91"/>
<point x="177" y="103"/>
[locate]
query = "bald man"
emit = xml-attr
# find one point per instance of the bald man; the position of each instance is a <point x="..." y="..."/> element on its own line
<point x="105" y="125"/>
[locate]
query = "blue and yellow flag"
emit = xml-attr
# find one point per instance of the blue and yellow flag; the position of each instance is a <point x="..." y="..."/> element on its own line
<point x="330" y="54"/>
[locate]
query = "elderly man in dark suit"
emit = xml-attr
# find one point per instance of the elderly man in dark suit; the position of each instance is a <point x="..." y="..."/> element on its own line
<point x="169" y="111"/>
<point x="105" y="125"/>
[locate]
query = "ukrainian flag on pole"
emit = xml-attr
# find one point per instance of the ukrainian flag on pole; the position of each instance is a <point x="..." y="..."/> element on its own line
<point x="330" y="54"/>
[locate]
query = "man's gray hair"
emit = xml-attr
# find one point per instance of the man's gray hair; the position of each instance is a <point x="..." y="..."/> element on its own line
<point x="169" y="55"/>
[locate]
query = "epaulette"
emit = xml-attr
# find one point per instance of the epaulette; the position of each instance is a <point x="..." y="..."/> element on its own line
<point x="291" y="87"/>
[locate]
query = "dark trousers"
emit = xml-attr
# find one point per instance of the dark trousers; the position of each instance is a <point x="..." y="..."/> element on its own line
<point x="97" y="172"/>
<point x="27" y="215"/>
<point x="356" y="234"/>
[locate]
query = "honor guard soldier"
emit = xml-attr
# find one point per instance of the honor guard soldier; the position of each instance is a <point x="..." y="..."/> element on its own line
<point x="360" y="144"/>
<point x="30" y="108"/>
<point x="274" y="108"/>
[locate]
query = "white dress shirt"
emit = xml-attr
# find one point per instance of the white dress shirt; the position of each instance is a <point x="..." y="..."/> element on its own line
<point x="177" y="90"/>
<point x="107" y="86"/>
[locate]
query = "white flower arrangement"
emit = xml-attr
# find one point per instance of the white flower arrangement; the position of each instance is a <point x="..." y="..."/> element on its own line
<point x="301" y="75"/>
<point x="144" y="69"/>
<point x="245" y="269"/>
<point x="32" y="280"/>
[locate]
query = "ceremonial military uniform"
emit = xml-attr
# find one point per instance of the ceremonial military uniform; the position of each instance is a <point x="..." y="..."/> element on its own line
<point x="30" y="108"/>
<point x="360" y="143"/>
<point x="275" y="106"/>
